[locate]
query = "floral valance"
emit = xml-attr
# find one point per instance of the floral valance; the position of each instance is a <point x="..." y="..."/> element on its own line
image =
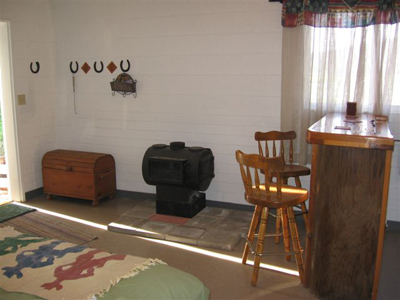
<point x="340" y="13"/>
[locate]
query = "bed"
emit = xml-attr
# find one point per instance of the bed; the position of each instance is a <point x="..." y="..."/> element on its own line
<point x="33" y="267"/>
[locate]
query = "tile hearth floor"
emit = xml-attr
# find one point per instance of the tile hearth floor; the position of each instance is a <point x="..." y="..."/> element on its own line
<point x="212" y="227"/>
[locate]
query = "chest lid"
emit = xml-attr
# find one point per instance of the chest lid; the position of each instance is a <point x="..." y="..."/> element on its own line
<point x="69" y="160"/>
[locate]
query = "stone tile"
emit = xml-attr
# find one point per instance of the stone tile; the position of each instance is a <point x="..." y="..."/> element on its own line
<point x="125" y="199"/>
<point x="169" y="219"/>
<point x="203" y="222"/>
<point x="139" y="213"/>
<point x="234" y="225"/>
<point x="147" y="205"/>
<point x="244" y="215"/>
<point x="130" y="221"/>
<point x="216" y="212"/>
<point x="185" y="234"/>
<point x="126" y="225"/>
<point x="220" y="239"/>
<point x="154" y="229"/>
<point x="213" y="227"/>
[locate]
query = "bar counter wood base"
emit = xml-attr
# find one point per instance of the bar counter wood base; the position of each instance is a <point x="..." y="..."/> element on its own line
<point x="350" y="174"/>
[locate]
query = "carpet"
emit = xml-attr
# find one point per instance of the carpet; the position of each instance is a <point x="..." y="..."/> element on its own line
<point x="9" y="211"/>
<point x="37" y="223"/>
<point x="54" y="269"/>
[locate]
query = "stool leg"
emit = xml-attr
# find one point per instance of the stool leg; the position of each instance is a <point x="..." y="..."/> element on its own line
<point x="278" y="221"/>
<point x="260" y="245"/>
<point x="296" y="243"/>
<point x="279" y="218"/>
<point x="303" y="205"/>
<point x="285" y="230"/>
<point x="305" y="212"/>
<point x="252" y="230"/>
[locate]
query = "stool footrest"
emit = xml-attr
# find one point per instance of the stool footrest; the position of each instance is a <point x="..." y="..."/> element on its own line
<point x="270" y="254"/>
<point x="273" y="215"/>
<point x="269" y="234"/>
<point x="301" y="213"/>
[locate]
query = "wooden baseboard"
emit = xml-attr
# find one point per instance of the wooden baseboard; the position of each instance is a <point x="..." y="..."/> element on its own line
<point x="33" y="193"/>
<point x="393" y="226"/>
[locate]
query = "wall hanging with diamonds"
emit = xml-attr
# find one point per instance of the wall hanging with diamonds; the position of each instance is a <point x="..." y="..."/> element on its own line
<point x="111" y="67"/>
<point x="86" y="68"/>
<point x="124" y="84"/>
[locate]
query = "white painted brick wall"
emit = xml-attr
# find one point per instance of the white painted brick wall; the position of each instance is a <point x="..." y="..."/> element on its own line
<point x="208" y="74"/>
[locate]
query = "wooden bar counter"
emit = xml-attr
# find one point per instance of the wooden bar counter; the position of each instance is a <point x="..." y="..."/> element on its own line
<point x="349" y="187"/>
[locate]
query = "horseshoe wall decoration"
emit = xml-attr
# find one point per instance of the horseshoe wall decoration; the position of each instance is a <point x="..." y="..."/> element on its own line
<point x="77" y="67"/>
<point x="122" y="68"/>
<point x="37" y="68"/>
<point x="102" y="67"/>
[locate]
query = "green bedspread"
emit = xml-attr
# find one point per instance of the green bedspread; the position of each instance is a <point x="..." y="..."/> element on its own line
<point x="157" y="282"/>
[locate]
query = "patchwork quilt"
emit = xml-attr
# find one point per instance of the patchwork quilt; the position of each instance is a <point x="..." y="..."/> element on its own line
<point x="55" y="269"/>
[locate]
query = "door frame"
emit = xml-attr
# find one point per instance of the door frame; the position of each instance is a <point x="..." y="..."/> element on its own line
<point x="9" y="110"/>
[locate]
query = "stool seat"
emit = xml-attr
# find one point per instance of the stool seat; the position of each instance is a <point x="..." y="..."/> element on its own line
<point x="290" y="196"/>
<point x="295" y="171"/>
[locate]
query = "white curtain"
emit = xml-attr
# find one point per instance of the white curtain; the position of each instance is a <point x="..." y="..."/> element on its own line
<point x="323" y="68"/>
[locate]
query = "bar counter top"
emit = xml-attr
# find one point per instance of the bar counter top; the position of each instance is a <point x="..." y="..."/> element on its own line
<point x="337" y="129"/>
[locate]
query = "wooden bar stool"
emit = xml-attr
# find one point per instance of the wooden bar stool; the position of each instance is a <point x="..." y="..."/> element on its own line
<point x="265" y="195"/>
<point x="290" y="169"/>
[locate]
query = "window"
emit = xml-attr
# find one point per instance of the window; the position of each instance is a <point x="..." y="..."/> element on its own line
<point x="353" y="64"/>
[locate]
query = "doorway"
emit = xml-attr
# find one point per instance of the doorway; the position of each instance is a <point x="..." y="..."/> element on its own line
<point x="4" y="182"/>
<point x="10" y="175"/>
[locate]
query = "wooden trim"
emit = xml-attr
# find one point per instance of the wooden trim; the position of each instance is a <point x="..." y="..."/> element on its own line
<point x="310" y="223"/>
<point x="10" y="115"/>
<point x="382" y="224"/>
<point x="329" y="139"/>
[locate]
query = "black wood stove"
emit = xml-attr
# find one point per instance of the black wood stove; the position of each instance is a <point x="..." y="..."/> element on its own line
<point x="179" y="173"/>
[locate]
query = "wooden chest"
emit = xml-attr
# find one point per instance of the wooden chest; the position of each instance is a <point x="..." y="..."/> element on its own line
<point x="78" y="174"/>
